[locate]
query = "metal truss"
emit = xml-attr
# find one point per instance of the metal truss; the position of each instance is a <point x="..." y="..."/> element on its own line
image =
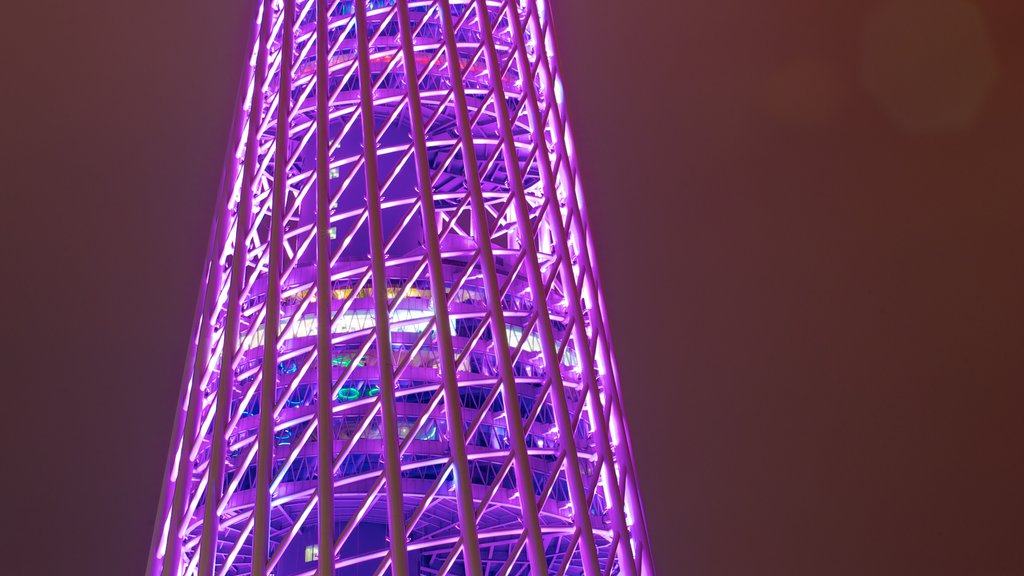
<point x="401" y="362"/>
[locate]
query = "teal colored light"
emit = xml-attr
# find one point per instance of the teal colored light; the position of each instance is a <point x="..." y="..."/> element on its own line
<point x="373" y="391"/>
<point x="346" y="394"/>
<point x="341" y="361"/>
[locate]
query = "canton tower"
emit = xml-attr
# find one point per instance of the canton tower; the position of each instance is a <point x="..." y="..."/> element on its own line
<point x="400" y="362"/>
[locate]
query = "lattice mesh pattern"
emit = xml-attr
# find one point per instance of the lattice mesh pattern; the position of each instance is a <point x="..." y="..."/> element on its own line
<point x="401" y="312"/>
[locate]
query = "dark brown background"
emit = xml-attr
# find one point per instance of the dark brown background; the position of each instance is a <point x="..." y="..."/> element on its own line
<point x="809" y="221"/>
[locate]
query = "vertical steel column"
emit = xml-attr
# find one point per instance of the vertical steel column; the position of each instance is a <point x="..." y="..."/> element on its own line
<point x="577" y="491"/>
<point x="183" y="480"/>
<point x="385" y="359"/>
<point x="627" y="560"/>
<point x="163" y="510"/>
<point x="243" y="215"/>
<point x="521" y="461"/>
<point x="183" y="483"/>
<point x="272" y="325"/>
<point x="561" y="131"/>
<point x="204" y="310"/>
<point x="324" y="419"/>
<point x="452" y="404"/>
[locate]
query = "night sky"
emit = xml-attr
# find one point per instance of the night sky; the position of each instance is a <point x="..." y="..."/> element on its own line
<point x="809" y="219"/>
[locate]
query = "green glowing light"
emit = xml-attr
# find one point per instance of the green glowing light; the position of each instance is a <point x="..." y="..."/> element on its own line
<point x="346" y="394"/>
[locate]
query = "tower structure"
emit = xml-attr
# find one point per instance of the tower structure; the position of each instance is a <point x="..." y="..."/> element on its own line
<point x="400" y="361"/>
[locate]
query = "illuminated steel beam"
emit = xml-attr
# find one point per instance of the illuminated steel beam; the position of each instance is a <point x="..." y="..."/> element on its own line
<point x="400" y="324"/>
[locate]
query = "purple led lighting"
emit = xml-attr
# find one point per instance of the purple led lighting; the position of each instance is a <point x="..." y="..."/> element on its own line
<point x="428" y="241"/>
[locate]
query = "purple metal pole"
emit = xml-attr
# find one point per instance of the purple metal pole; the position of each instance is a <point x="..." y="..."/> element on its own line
<point x="324" y="418"/>
<point x="243" y="214"/>
<point x="537" y="287"/>
<point x="170" y="480"/>
<point x="573" y="300"/>
<point x="183" y="484"/>
<point x="264" y="466"/>
<point x="575" y="205"/>
<point x="453" y="406"/>
<point x="524" y="480"/>
<point x="392" y="466"/>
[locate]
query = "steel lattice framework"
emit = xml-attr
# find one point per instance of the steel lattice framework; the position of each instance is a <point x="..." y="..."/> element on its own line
<point x="401" y="258"/>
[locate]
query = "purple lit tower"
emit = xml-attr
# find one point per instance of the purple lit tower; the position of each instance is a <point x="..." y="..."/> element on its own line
<point x="400" y="362"/>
